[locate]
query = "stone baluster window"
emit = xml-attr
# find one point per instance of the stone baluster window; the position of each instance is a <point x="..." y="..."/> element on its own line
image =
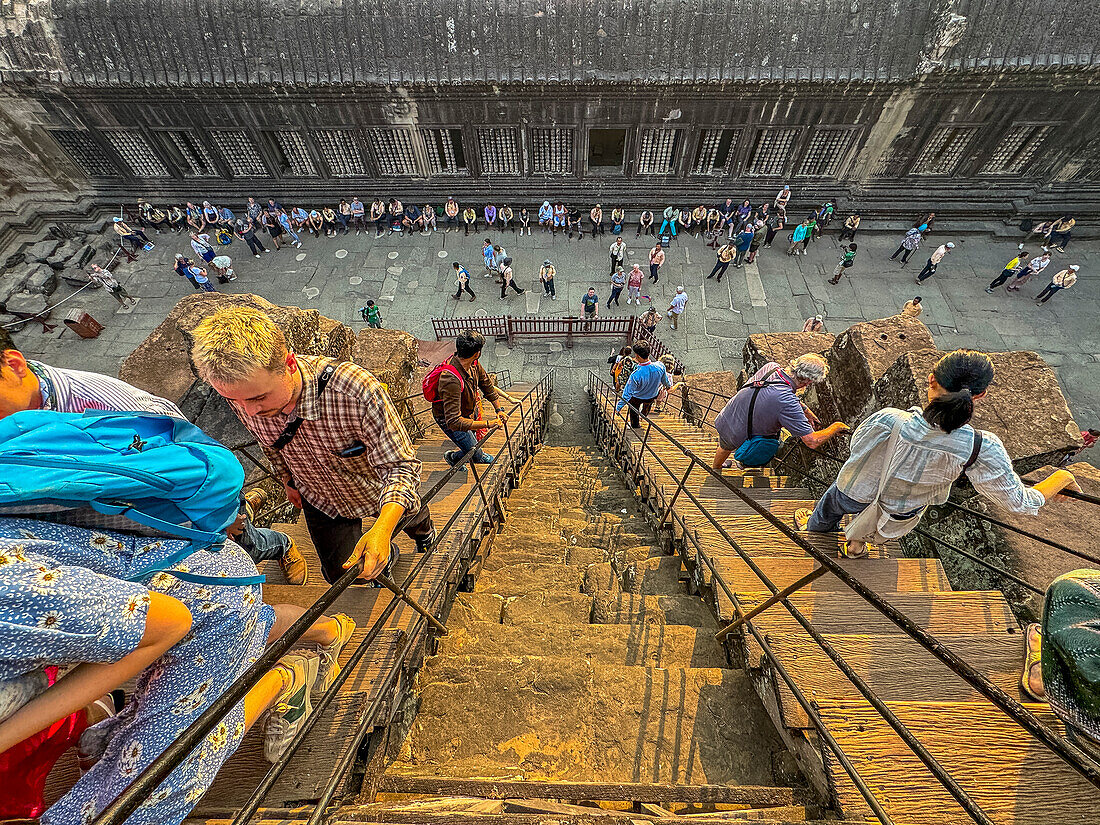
<point x="828" y="148"/>
<point x="393" y="152"/>
<point x="499" y="149"/>
<point x="294" y="157"/>
<point x="552" y="150"/>
<point x="240" y="153"/>
<point x="88" y="155"/>
<point x="198" y="161"/>
<point x="944" y="150"/>
<point x="716" y="151"/>
<point x="446" y="154"/>
<point x="1017" y="148"/>
<point x="137" y="154"/>
<point x="771" y="151"/>
<point x="657" y="151"/>
<point x="341" y="153"/>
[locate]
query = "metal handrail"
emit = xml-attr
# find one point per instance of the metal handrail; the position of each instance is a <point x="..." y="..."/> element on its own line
<point x="1067" y="751"/>
<point x="971" y="807"/>
<point x="251" y="805"/>
<point x="167" y="761"/>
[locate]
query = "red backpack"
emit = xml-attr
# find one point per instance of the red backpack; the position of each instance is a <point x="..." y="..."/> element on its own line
<point x="430" y="384"/>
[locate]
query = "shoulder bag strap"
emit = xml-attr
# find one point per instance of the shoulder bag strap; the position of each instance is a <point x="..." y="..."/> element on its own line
<point x="752" y="401"/>
<point x="973" y="452"/>
<point x="292" y="426"/>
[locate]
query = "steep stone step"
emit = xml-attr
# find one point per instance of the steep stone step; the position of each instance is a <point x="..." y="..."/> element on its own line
<point x="579" y="555"/>
<point x="520" y="579"/>
<point x="562" y="719"/>
<point x="663" y="576"/>
<point x="403" y="783"/>
<point x="664" y="646"/>
<point x="633" y="608"/>
<point x="551" y="608"/>
<point x="553" y="813"/>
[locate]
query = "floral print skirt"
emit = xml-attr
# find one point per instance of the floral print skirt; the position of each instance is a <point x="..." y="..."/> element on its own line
<point x="64" y="599"/>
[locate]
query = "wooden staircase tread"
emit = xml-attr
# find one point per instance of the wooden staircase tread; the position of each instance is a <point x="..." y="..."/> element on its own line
<point x="882" y="574"/>
<point x="1010" y="775"/>
<point x="971" y="611"/>
<point x="895" y="667"/>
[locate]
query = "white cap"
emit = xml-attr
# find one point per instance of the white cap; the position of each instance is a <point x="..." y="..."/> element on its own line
<point x="1074" y="267"/>
<point x="817" y="317"/>
<point x="950" y="245"/>
<point x="679" y="289"/>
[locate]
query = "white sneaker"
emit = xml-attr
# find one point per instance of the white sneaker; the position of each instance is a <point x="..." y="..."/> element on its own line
<point x="292" y="707"/>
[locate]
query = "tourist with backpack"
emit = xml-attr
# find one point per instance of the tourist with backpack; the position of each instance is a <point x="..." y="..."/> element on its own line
<point x="32" y="385"/>
<point x="154" y="573"/>
<point x="903" y="461"/>
<point x="330" y="432"/>
<point x="645" y="383"/>
<point x="452" y="389"/>
<point x="749" y="425"/>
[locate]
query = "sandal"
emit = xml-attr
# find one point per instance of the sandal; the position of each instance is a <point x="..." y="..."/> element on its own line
<point x="1032" y="657"/>
<point x="846" y="551"/>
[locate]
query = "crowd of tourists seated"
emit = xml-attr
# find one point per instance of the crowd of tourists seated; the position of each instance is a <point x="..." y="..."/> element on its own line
<point x="388" y="216"/>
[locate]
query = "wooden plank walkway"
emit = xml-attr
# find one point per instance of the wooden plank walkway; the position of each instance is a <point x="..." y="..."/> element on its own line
<point x="387" y="668"/>
<point x="1012" y="777"/>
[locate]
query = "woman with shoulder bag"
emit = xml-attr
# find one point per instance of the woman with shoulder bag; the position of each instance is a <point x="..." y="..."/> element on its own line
<point x="903" y="461"/>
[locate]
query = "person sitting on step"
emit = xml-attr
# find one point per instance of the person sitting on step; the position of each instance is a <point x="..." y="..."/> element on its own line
<point x="933" y="446"/>
<point x="457" y="409"/>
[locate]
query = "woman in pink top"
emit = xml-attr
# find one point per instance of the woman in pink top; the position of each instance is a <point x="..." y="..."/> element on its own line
<point x="634" y="285"/>
<point x="656" y="258"/>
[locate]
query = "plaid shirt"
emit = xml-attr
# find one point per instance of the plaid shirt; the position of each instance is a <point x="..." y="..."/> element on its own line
<point x="353" y="408"/>
<point x="929" y="462"/>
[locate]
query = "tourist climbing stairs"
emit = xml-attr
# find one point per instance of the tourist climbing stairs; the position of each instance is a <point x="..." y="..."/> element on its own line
<point x="465" y="520"/>
<point x="739" y="554"/>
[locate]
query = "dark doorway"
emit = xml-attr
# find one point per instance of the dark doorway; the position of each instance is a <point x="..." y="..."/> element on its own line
<point x="606" y="149"/>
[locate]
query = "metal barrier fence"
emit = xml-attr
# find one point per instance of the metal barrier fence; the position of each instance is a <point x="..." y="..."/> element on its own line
<point x="608" y="433"/>
<point x="565" y="328"/>
<point x="518" y="439"/>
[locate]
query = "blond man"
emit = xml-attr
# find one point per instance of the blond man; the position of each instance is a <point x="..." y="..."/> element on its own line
<point x="330" y="431"/>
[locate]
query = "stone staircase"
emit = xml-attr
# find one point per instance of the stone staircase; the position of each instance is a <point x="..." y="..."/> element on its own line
<point x="1015" y="780"/>
<point x="580" y="670"/>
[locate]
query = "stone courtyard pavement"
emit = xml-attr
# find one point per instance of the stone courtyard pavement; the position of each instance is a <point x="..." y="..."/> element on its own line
<point x="412" y="280"/>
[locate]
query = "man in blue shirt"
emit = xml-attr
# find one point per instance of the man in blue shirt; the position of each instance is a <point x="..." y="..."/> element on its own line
<point x="644" y="384"/>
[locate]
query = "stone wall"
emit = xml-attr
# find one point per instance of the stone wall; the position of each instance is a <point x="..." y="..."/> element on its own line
<point x="877" y="102"/>
<point x="161" y="364"/>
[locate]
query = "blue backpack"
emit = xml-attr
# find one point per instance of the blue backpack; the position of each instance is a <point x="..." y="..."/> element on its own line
<point x="161" y="472"/>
